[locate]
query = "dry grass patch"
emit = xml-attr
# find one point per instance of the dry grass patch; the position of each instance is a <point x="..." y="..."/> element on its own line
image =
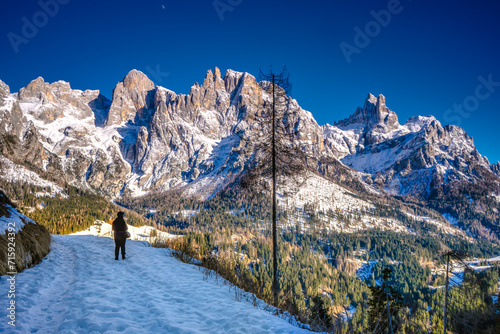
<point x="32" y="245"/>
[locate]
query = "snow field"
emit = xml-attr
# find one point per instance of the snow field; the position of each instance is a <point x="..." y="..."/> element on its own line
<point x="325" y="195"/>
<point x="80" y="288"/>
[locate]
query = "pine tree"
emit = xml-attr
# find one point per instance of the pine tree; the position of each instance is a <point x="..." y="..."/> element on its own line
<point x="320" y="314"/>
<point x="384" y="306"/>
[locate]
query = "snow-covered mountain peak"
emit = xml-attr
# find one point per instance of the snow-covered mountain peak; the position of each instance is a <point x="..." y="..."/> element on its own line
<point x="149" y="138"/>
<point x="133" y="98"/>
<point x="373" y="123"/>
<point x="232" y="74"/>
<point x="34" y="89"/>
<point x="416" y="123"/>
<point x="135" y="79"/>
<point x="374" y="113"/>
<point x="371" y="99"/>
<point x="164" y="96"/>
<point x="46" y="102"/>
<point x="214" y="83"/>
<point x="231" y="79"/>
<point x="4" y="90"/>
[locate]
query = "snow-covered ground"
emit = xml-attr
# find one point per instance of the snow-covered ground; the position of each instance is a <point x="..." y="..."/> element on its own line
<point x="457" y="269"/>
<point x="365" y="270"/>
<point x="494" y="259"/>
<point x="141" y="233"/>
<point x="327" y="196"/>
<point x="15" y="222"/>
<point x="80" y="288"/>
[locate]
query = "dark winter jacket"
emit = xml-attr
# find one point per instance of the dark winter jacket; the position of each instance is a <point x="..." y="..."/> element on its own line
<point x="119" y="227"/>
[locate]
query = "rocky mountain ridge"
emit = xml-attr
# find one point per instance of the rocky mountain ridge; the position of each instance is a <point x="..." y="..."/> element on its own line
<point x="148" y="137"/>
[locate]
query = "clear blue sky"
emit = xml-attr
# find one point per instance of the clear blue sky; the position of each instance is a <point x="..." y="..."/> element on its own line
<point x="424" y="59"/>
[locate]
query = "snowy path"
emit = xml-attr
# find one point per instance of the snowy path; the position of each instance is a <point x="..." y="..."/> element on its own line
<point x="80" y="288"/>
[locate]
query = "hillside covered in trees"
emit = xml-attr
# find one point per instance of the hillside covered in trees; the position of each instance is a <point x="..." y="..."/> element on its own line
<point x="318" y="270"/>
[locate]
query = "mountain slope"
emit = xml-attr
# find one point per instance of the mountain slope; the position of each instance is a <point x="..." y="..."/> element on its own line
<point x="148" y="138"/>
<point x="80" y="288"/>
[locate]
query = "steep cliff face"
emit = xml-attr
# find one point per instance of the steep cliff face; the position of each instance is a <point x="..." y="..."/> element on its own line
<point x="409" y="159"/>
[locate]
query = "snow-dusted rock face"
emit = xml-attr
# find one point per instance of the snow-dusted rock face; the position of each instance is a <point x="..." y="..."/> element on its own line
<point x="190" y="140"/>
<point x="149" y="137"/>
<point x="146" y="137"/>
<point x="11" y="116"/>
<point x="375" y="120"/>
<point x="19" y="138"/>
<point x="404" y="159"/>
<point x="54" y="129"/>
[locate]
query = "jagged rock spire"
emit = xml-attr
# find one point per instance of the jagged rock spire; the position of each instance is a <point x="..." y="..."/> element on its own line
<point x="4" y="92"/>
<point x="374" y="112"/>
<point x="132" y="98"/>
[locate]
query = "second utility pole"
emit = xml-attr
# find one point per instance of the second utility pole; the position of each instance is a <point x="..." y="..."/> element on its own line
<point x="446" y="293"/>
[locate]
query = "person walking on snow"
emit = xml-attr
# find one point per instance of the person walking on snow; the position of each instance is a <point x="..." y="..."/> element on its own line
<point x="120" y="227"/>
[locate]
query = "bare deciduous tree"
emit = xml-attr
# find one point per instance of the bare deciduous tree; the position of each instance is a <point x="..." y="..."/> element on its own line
<point x="273" y="141"/>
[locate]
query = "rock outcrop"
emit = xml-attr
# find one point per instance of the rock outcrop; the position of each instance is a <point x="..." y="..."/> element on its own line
<point x="4" y="93"/>
<point x="133" y="99"/>
<point x="496" y="168"/>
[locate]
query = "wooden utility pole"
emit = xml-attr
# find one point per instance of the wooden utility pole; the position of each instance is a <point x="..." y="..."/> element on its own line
<point x="446" y="293"/>
<point x="275" y="237"/>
